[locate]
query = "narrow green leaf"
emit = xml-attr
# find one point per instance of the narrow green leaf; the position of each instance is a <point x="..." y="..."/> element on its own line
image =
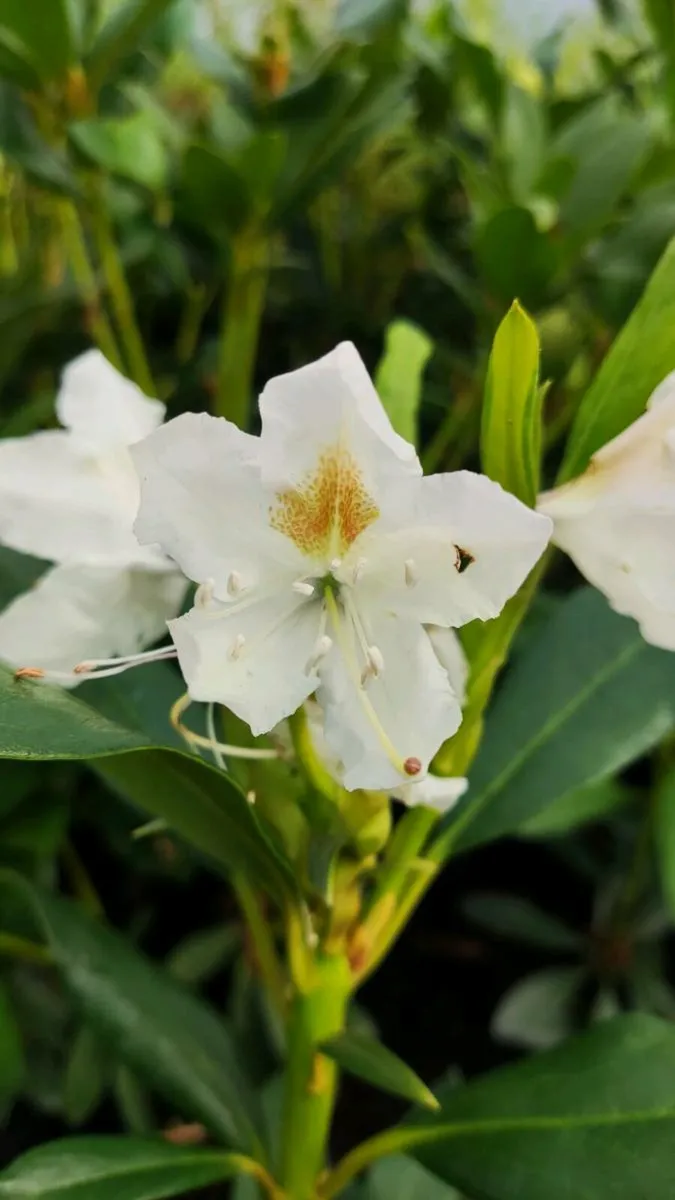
<point x="213" y="193"/>
<point x="398" y="378"/>
<point x="515" y="258"/>
<point x="514" y="917"/>
<point x="594" y="1117"/>
<point x="368" y="1059"/>
<point x="585" y="697"/>
<point x="113" y="1168"/>
<point x="538" y="1011"/>
<point x="86" y="1077"/>
<point x="640" y="357"/>
<point x="511" y="423"/>
<point x="128" y="146"/>
<point x="173" y="1040"/>
<point x="43" y="26"/>
<point x="121" y="35"/>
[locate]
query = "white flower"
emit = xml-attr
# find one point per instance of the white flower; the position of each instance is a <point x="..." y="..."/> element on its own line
<point x="322" y="554"/>
<point x="617" y="520"/>
<point x="70" y="495"/>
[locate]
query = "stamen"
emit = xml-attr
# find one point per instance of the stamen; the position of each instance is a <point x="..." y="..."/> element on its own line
<point x="335" y="564"/>
<point x="322" y="646"/>
<point x="361" y="564"/>
<point x="375" y="660"/>
<point x="251" y="796"/>
<point x="204" y="593"/>
<point x="234" y="583"/>
<point x="412" y="766"/>
<point x="98" y="668"/>
<point x="237" y="647"/>
<point x="410" y="570"/>
<point x="347" y="649"/>
<point x="195" y="740"/>
<point x="303" y="588"/>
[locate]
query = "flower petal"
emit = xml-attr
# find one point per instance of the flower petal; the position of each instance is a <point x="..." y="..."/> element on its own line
<point x="59" y="504"/>
<point x="414" y="705"/>
<point x="102" y="408"/>
<point x="449" y="652"/>
<point x="76" y="613"/>
<point x="330" y="407"/>
<point x="465" y="548"/>
<point x="203" y="502"/>
<point x="250" y="656"/>
<point x="434" y="791"/>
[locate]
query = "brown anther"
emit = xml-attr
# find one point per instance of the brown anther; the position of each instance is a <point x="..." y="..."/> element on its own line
<point x="29" y="673"/>
<point x="81" y="668"/>
<point x="412" y="766"/>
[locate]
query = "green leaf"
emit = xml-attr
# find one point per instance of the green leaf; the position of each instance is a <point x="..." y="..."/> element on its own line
<point x="203" y="805"/>
<point x="113" y="1168"/>
<point x="640" y="357"/>
<point x="204" y="953"/>
<point x="664" y="837"/>
<point x="363" y="19"/>
<point x="128" y="146"/>
<point x="524" y="139"/>
<point x="11" y="1055"/>
<point x="538" y="1011"/>
<point x="514" y="917"/>
<point x="594" y="1118"/>
<point x="576" y="808"/>
<point x="370" y="1060"/>
<point x="22" y="143"/>
<point x="43" y="27"/>
<point x="515" y="258"/>
<point x="121" y="35"/>
<point x="85" y="1078"/>
<point x="511" y="422"/>
<point x="398" y="377"/>
<point x="172" y="1039"/>
<point x="213" y="193"/>
<point x="18" y="573"/>
<point x="586" y="696"/>
<point x="606" y="143"/>
<point x="401" y="1178"/>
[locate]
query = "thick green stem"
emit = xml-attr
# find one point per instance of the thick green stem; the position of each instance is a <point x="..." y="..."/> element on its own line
<point x="120" y="293"/>
<point x="311" y="1079"/>
<point x="240" y="328"/>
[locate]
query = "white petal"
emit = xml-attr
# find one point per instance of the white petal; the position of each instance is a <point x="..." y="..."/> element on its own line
<point x="331" y="406"/>
<point x="76" y="613"/>
<point x="434" y="791"/>
<point x="449" y="652"/>
<point x="502" y="538"/>
<point x="415" y="706"/>
<point x="251" y="657"/>
<point x="202" y="501"/>
<point x="103" y="409"/>
<point x="60" y="504"/>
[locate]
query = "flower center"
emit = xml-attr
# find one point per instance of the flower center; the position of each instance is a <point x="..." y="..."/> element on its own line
<point x="329" y="509"/>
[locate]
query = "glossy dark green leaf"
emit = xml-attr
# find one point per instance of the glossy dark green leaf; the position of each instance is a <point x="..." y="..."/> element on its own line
<point x="18" y="572"/>
<point x="594" y="1117"/>
<point x="213" y="193"/>
<point x="575" y="808"/>
<point x="203" y="805"/>
<point x="401" y="1178"/>
<point x="514" y="917"/>
<point x="368" y="1059"/>
<point x="173" y="1040"/>
<point x="11" y="1054"/>
<point x="113" y="1168"/>
<point x="539" y="1010"/>
<point x="586" y="696"/>
<point x="641" y="356"/>
<point x="44" y="28"/>
<point x="511" y="420"/>
<point x="398" y="378"/>
<point x="121" y="34"/>
<point x="86" y="1076"/>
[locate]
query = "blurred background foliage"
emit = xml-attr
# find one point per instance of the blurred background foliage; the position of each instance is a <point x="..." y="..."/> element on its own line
<point x="215" y="192"/>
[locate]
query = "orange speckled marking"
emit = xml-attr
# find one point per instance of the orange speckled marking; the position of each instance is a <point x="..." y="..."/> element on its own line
<point x="330" y="508"/>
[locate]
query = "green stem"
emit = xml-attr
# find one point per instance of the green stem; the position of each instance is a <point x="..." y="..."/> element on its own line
<point x="120" y="293"/>
<point x="311" y="1079"/>
<point x="263" y="943"/>
<point x="85" y="278"/>
<point x="240" y="325"/>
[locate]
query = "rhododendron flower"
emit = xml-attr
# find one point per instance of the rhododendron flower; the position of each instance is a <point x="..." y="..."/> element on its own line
<point x="70" y="495"/>
<point x="617" y="520"/>
<point x="322" y="554"/>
